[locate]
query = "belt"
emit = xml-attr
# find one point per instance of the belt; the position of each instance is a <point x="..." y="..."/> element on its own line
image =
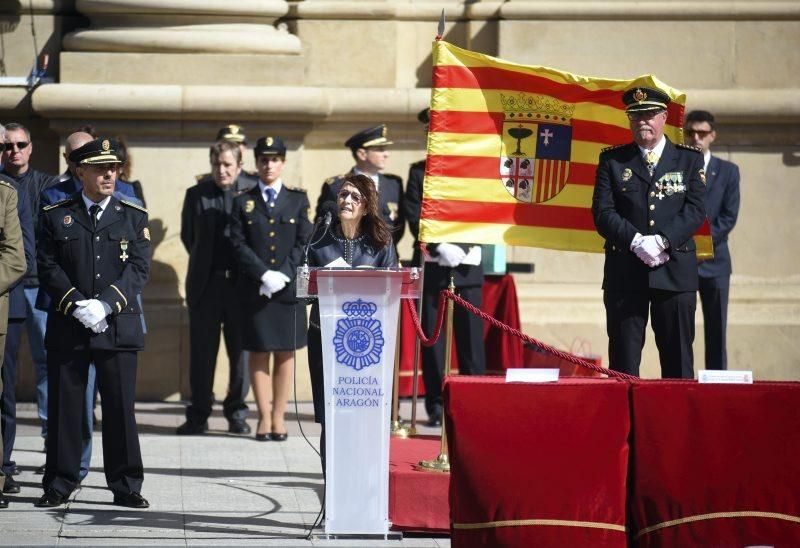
<point x="227" y="274"/>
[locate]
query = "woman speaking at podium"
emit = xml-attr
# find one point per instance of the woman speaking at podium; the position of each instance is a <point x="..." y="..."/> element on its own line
<point x="358" y="237"/>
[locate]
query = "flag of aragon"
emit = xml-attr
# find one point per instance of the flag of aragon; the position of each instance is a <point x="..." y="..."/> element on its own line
<point x="513" y="149"/>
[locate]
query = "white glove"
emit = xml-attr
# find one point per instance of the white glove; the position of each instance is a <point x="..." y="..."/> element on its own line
<point x="651" y="250"/>
<point x="263" y="290"/>
<point x="450" y="254"/>
<point x="274" y="281"/>
<point x="100" y="326"/>
<point x="90" y="312"/>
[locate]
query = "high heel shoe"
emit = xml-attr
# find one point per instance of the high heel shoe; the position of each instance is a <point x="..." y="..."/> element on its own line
<point x="263" y="437"/>
<point x="274" y="436"/>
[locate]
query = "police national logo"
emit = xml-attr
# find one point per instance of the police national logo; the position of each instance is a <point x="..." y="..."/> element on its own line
<point x="536" y="146"/>
<point x="359" y="338"/>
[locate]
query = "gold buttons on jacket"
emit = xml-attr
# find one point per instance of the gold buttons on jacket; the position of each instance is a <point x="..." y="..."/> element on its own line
<point x="652" y="222"/>
<point x="272" y="221"/>
<point x="652" y="194"/>
<point x="272" y="248"/>
<point x="272" y="261"/>
<point x="272" y="234"/>
<point x="652" y="207"/>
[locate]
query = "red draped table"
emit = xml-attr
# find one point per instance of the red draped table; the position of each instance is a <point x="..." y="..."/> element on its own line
<point x="502" y="349"/>
<point x="537" y="464"/>
<point x="715" y="464"/>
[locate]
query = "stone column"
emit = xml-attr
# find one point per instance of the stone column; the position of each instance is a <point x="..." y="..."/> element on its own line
<point x="183" y="26"/>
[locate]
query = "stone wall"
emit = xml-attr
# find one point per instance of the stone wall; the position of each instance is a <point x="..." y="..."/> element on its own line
<point x="168" y="73"/>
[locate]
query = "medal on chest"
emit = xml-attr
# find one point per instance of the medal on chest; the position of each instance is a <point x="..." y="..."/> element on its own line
<point x="123" y="247"/>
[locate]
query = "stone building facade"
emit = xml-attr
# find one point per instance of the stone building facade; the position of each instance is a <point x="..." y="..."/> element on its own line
<point x="168" y="73"/>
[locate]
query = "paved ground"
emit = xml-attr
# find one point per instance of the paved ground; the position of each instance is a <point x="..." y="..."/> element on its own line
<point x="216" y="489"/>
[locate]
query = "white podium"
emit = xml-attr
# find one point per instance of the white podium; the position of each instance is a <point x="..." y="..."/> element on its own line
<point x="359" y="311"/>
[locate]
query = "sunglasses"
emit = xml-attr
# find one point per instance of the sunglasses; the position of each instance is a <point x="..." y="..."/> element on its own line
<point x="702" y="133"/>
<point x="354" y="196"/>
<point x="21" y="145"/>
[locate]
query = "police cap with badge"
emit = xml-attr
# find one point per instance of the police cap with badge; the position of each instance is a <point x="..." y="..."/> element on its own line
<point x="98" y="151"/>
<point x="232" y="133"/>
<point x="642" y="99"/>
<point x="372" y="137"/>
<point x="270" y="146"/>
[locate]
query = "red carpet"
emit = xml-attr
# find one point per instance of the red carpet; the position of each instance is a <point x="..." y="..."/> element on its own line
<point x="417" y="500"/>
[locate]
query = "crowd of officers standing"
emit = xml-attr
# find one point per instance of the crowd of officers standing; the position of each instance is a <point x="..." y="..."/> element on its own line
<point x="87" y="233"/>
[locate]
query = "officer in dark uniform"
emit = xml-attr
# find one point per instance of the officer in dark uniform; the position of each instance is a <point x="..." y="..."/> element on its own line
<point x="211" y="291"/>
<point x="648" y="202"/>
<point x="444" y="260"/>
<point x="94" y="258"/>
<point x="234" y="134"/>
<point x="370" y="154"/>
<point x="269" y="231"/>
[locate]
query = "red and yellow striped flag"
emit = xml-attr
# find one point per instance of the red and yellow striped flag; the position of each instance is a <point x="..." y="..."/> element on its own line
<point x="512" y="151"/>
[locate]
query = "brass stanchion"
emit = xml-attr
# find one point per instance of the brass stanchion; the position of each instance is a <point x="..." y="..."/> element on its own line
<point x="442" y="462"/>
<point x="412" y="430"/>
<point x="398" y="429"/>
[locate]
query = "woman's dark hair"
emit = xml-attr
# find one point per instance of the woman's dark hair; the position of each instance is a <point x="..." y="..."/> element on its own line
<point x="372" y="223"/>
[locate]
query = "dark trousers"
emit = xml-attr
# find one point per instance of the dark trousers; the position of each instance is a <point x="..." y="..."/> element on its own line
<point x="67" y="374"/>
<point x="469" y="347"/>
<point x="673" y="325"/>
<point x="8" y="400"/>
<point x="218" y="309"/>
<point x="714" y="299"/>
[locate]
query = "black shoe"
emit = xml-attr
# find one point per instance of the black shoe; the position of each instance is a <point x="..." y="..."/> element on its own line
<point x="131" y="500"/>
<point x="12" y="487"/>
<point x="190" y="428"/>
<point x="40" y="470"/>
<point x="262" y="437"/>
<point x="51" y="499"/>
<point x="238" y="426"/>
<point x="274" y="436"/>
<point x="3" y="502"/>
<point x="435" y="420"/>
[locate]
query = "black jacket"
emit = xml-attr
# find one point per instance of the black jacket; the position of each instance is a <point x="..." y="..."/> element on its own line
<point x="32" y="183"/>
<point x="722" y="209"/>
<point x="110" y="263"/>
<point x="627" y="200"/>
<point x="390" y="193"/>
<point x="269" y="238"/>
<point x="360" y="251"/>
<point x="202" y="217"/>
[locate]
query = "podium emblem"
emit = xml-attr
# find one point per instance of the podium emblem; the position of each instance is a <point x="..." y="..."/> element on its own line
<point x="359" y="338"/>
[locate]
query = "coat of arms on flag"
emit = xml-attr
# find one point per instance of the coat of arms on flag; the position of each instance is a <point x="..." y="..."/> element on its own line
<point x="537" y="139"/>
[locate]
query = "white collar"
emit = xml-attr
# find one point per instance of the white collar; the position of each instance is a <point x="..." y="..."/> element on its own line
<point x="89" y="203"/>
<point x="706" y="159"/>
<point x="658" y="149"/>
<point x="276" y="186"/>
<point x="375" y="178"/>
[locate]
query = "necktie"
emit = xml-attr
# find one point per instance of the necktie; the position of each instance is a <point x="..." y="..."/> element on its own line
<point x="271" y="196"/>
<point x="93" y="211"/>
<point x="651" y="159"/>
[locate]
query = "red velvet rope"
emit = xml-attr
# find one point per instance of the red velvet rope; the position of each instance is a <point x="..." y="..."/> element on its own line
<point x="446" y="294"/>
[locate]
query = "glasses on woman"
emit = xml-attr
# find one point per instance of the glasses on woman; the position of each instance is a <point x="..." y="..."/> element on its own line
<point x="354" y="196"/>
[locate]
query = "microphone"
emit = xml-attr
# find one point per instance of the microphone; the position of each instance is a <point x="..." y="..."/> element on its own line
<point x="330" y="208"/>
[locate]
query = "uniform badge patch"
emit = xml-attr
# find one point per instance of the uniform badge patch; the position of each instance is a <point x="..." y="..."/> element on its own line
<point x="627" y="174"/>
<point x="392" y="210"/>
<point x="249" y="206"/>
<point x="146" y="233"/>
<point x="67" y="220"/>
<point x="117" y="207"/>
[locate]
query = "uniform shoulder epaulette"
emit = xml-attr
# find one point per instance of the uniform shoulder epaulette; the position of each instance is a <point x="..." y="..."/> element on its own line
<point x="6" y="183"/>
<point x="613" y="147"/>
<point x="392" y="176"/>
<point x="689" y="147"/>
<point x="202" y="176"/>
<point x="237" y="193"/>
<point x="295" y="188"/>
<point x="134" y="206"/>
<point x="331" y="180"/>
<point x="59" y="203"/>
